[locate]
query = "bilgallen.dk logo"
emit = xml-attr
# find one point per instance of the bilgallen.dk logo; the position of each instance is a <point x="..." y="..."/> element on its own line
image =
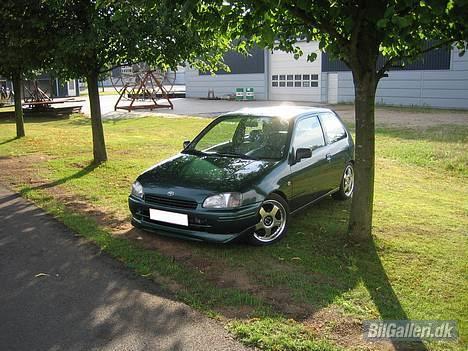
<point x="410" y="330"/>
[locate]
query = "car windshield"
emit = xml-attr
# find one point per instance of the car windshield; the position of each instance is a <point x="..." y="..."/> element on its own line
<point x="245" y="137"/>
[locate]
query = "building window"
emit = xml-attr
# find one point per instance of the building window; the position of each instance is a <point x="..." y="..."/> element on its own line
<point x="295" y="80"/>
<point x="437" y="59"/>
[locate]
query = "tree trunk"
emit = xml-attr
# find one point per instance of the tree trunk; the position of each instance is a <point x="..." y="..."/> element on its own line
<point x="18" y="106"/>
<point x="360" y="223"/>
<point x="99" y="144"/>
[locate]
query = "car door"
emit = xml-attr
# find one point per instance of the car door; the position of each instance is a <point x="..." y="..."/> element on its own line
<point x="307" y="175"/>
<point x="336" y="150"/>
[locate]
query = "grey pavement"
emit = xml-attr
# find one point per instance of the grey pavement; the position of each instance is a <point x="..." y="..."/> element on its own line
<point x="58" y="292"/>
<point x="184" y="106"/>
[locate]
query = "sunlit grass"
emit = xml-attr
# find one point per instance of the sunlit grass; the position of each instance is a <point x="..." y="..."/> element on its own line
<point x="420" y="220"/>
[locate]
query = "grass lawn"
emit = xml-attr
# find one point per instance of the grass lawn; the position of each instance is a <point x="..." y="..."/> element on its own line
<point x="312" y="290"/>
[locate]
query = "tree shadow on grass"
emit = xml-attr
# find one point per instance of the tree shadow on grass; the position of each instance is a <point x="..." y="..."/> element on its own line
<point x="331" y="239"/>
<point x="81" y="173"/>
<point x="377" y="283"/>
<point x="8" y="141"/>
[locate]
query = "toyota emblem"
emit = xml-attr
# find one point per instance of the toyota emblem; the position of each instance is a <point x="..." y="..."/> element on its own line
<point x="170" y="193"/>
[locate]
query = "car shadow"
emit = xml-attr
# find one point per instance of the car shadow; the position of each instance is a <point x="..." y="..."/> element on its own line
<point x="317" y="239"/>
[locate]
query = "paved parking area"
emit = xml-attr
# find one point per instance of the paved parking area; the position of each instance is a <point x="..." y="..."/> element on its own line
<point x="392" y="116"/>
<point x="183" y="106"/>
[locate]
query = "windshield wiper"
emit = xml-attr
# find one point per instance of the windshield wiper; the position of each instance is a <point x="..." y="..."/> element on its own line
<point x="233" y="154"/>
<point x="194" y="152"/>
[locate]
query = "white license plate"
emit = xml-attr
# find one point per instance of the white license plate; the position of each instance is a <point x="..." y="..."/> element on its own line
<point x="169" y="217"/>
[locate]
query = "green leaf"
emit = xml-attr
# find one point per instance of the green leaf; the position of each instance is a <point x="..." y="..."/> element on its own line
<point x="382" y="23"/>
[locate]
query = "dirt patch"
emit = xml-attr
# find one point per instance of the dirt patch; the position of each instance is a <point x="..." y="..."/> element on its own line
<point x="17" y="171"/>
<point x="222" y="276"/>
<point x="343" y="330"/>
<point x="21" y="170"/>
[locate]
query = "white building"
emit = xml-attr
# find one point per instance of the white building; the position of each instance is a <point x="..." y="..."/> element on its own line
<point x="439" y="79"/>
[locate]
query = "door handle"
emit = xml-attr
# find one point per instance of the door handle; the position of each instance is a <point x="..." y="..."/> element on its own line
<point x="328" y="157"/>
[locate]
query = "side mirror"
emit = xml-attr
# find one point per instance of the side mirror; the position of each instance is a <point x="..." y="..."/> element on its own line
<point x="186" y="144"/>
<point x="303" y="153"/>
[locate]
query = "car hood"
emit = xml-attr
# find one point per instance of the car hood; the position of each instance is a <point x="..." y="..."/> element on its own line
<point x="208" y="173"/>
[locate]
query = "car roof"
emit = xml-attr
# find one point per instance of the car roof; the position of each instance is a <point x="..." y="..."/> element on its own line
<point x="284" y="111"/>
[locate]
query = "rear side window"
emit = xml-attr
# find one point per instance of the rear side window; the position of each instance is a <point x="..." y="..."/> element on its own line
<point x="332" y="127"/>
<point x="308" y="134"/>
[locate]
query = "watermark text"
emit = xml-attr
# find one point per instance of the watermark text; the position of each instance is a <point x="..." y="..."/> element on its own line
<point x="410" y="330"/>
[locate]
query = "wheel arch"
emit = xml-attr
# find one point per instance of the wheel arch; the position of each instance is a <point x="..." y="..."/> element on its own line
<point x="282" y="194"/>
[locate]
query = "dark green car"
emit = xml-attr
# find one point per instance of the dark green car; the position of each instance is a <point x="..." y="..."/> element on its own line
<point x="245" y="173"/>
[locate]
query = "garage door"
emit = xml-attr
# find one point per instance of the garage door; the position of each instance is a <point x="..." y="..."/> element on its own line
<point x="295" y="80"/>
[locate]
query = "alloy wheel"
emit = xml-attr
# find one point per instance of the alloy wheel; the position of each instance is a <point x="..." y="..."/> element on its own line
<point x="348" y="181"/>
<point x="272" y="221"/>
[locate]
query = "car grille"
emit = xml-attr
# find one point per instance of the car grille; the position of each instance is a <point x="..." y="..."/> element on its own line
<point x="171" y="202"/>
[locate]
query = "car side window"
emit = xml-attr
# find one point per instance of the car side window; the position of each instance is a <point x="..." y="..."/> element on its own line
<point x="332" y="127"/>
<point x="308" y="134"/>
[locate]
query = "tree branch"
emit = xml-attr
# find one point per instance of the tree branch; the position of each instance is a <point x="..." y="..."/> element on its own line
<point x="308" y="20"/>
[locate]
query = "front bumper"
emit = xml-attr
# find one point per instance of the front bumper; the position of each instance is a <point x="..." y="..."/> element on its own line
<point x="214" y="225"/>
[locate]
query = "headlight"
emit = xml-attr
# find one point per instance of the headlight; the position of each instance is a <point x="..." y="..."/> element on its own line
<point x="137" y="189"/>
<point x="225" y="200"/>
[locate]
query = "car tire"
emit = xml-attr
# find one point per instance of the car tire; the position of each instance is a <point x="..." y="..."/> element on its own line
<point x="273" y="221"/>
<point x="347" y="184"/>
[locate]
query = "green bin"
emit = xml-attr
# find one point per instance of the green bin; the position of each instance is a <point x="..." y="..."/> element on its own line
<point x="249" y="94"/>
<point x="240" y="94"/>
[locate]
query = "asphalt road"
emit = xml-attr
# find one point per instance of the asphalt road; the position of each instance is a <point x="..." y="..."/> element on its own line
<point x="58" y="292"/>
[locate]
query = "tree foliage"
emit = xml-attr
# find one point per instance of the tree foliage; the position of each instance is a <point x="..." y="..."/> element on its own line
<point x="399" y="30"/>
<point x="26" y="39"/>
<point x="357" y="32"/>
<point x="104" y="34"/>
<point x="95" y="37"/>
<point x="26" y="36"/>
